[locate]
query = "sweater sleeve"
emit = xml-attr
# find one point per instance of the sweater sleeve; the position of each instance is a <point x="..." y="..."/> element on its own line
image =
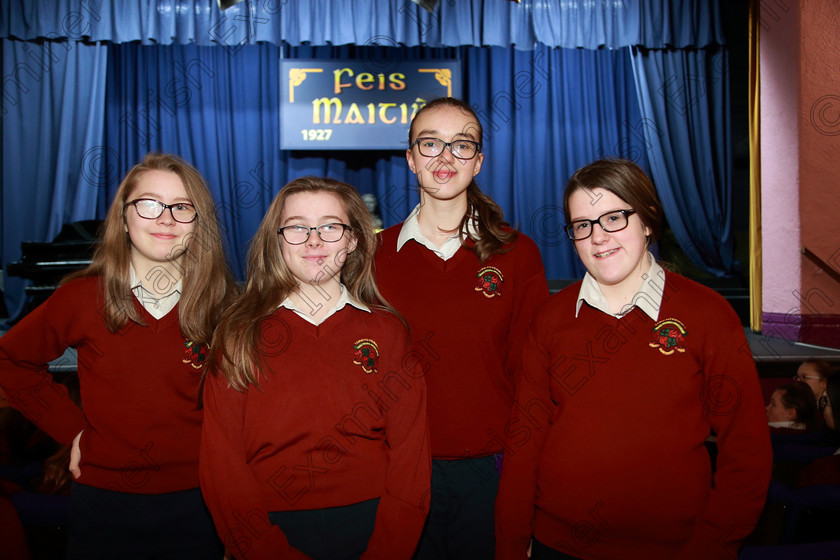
<point x="42" y="336"/>
<point x="531" y="292"/>
<point x="732" y="398"/>
<point x="401" y="513"/>
<point x="526" y="430"/>
<point x="230" y="489"/>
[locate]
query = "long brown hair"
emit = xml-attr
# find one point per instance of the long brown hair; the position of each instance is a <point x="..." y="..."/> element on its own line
<point x="494" y="233"/>
<point x="207" y="283"/>
<point x="239" y="347"/>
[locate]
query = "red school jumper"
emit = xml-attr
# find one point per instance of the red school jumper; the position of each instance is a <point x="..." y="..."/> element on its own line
<point x="471" y="319"/>
<point x="139" y="390"/>
<point x="609" y="426"/>
<point x="339" y="418"/>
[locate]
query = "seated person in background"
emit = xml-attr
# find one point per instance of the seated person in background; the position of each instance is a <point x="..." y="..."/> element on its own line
<point x="816" y="373"/>
<point x="826" y="470"/>
<point x="793" y="407"/>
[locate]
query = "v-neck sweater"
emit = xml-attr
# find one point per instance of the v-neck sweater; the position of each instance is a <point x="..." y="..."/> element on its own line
<point x="339" y="418"/>
<point x="606" y="452"/>
<point x="471" y="318"/>
<point x="139" y="390"/>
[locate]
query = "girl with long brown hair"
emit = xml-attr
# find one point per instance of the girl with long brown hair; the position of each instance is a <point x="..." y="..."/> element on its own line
<point x="140" y="318"/>
<point x="315" y="442"/>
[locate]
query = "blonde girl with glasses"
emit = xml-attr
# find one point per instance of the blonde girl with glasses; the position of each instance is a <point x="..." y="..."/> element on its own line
<point x="140" y="319"/>
<point x="315" y="442"/>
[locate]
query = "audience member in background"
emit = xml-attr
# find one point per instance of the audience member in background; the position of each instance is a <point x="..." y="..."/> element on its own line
<point x="467" y="283"/>
<point x="826" y="470"/>
<point x="141" y="318"/>
<point x="792" y="406"/>
<point x="625" y="374"/>
<point x="315" y="442"/>
<point x="815" y="373"/>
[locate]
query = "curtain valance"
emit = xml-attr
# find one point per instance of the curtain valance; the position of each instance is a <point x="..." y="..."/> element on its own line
<point x="586" y="24"/>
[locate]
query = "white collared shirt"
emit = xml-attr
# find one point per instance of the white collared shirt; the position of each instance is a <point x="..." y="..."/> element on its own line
<point x="411" y="230"/>
<point x="648" y="298"/>
<point x="343" y="299"/>
<point x="787" y="424"/>
<point x="157" y="305"/>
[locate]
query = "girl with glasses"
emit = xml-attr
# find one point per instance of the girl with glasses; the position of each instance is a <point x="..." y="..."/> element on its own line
<point x="625" y="376"/>
<point x="315" y="442"/>
<point x="815" y="373"/>
<point x="140" y="318"/>
<point x="467" y="283"/>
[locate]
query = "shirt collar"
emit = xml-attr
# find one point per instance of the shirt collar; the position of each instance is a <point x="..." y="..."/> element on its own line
<point x="344" y="299"/>
<point x="136" y="285"/>
<point x="787" y="424"/>
<point x="411" y="230"/>
<point x="648" y="298"/>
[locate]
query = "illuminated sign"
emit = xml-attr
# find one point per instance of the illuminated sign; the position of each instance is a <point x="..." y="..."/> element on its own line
<point x="341" y="105"/>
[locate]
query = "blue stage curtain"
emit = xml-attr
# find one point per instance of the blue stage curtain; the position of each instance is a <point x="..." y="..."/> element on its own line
<point x="52" y="129"/>
<point x="555" y="23"/>
<point x="545" y="112"/>
<point x="685" y="93"/>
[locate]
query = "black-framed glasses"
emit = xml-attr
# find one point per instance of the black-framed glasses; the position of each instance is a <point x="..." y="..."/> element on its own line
<point x="297" y="234"/>
<point x="610" y="222"/>
<point x="151" y="209"/>
<point x="461" y="149"/>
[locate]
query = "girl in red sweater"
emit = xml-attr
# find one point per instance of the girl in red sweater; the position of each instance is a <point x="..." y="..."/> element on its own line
<point x="467" y="284"/>
<point x="140" y="318"/>
<point x="625" y="376"/>
<point x="315" y="442"/>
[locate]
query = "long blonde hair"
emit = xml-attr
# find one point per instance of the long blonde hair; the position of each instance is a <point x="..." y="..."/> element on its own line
<point x="238" y="347"/>
<point x="207" y="283"/>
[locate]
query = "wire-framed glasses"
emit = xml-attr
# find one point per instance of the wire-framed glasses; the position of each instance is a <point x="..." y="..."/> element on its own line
<point x="151" y="209"/>
<point x="802" y="378"/>
<point x="461" y="149"/>
<point x="298" y="234"/>
<point x="610" y="222"/>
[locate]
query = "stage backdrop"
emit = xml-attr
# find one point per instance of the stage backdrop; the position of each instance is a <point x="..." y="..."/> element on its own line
<point x="90" y="86"/>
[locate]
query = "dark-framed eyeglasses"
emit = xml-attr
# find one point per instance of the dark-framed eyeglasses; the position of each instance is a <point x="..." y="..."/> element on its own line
<point x="610" y="222"/>
<point x="461" y="149"/>
<point x="297" y="234"/>
<point x="151" y="209"/>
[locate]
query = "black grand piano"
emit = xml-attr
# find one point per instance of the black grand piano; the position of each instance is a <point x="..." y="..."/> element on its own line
<point x="46" y="263"/>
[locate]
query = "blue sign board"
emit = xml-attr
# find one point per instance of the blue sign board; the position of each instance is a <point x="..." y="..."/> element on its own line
<point x="343" y="105"/>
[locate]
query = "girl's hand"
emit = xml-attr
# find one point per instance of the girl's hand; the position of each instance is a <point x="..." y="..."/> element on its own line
<point x="76" y="456"/>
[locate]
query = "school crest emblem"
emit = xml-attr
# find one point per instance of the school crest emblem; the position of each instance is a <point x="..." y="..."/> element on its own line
<point x="669" y="336"/>
<point x="490" y="281"/>
<point x="366" y="355"/>
<point x="196" y="354"/>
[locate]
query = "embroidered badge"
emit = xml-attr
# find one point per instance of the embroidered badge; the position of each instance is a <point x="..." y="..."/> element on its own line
<point x="669" y="336"/>
<point x="367" y="355"/>
<point x="490" y="281"/>
<point x="196" y="354"/>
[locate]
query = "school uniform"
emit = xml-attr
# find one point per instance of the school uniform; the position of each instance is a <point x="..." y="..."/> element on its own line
<point x="612" y="413"/>
<point x="141" y="422"/>
<point x="329" y="457"/>
<point x="471" y="318"/>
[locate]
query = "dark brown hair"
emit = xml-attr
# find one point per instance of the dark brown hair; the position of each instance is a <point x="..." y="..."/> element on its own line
<point x="800" y="397"/>
<point x="493" y="231"/>
<point x="627" y="181"/>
